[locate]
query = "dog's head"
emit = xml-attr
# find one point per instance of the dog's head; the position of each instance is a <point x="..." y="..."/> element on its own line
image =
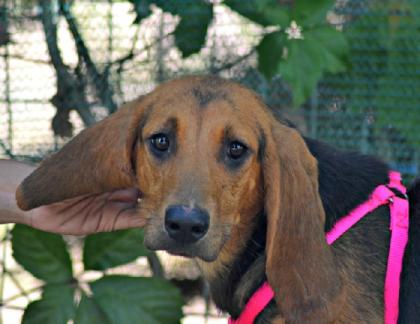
<point x="207" y="157"/>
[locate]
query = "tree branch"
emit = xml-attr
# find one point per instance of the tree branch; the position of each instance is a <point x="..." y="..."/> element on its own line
<point x="230" y="65"/>
<point x="70" y="90"/>
<point x="102" y="87"/>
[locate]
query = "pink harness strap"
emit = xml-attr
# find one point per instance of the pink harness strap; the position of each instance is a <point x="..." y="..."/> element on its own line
<point x="399" y="208"/>
<point x="256" y="304"/>
<point x="399" y="237"/>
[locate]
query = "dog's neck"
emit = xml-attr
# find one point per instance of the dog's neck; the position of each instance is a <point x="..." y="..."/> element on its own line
<point x="234" y="284"/>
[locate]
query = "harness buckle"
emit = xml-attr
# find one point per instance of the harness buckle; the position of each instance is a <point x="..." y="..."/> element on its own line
<point x="397" y="192"/>
<point x="399" y="213"/>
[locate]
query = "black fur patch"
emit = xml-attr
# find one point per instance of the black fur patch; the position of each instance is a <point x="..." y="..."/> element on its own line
<point x="143" y="122"/>
<point x="346" y="179"/>
<point x="205" y="96"/>
<point x="225" y="285"/>
<point x="261" y="145"/>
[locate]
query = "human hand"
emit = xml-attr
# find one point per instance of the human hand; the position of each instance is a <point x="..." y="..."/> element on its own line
<point x="81" y="215"/>
<point x="88" y="214"/>
<point x="77" y="216"/>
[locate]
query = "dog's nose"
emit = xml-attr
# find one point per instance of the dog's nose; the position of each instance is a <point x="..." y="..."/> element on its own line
<point x="185" y="224"/>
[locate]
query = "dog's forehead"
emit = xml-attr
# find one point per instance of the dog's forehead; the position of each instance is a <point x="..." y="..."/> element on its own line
<point x="204" y="97"/>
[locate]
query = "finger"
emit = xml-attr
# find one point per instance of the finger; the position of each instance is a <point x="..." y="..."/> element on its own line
<point x="68" y="203"/>
<point x="128" y="195"/>
<point x="129" y="218"/>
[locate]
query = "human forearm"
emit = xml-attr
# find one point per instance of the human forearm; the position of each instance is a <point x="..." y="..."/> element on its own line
<point x="11" y="174"/>
<point x="9" y="212"/>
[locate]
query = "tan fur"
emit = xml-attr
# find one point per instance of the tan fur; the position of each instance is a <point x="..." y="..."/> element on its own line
<point x="300" y="265"/>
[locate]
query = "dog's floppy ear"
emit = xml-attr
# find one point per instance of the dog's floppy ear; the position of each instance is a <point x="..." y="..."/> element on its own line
<point x="96" y="160"/>
<point x="300" y="265"/>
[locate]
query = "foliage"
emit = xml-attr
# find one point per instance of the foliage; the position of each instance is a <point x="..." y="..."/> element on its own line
<point x="110" y="299"/>
<point x="106" y="250"/>
<point x="124" y="299"/>
<point x="301" y="62"/>
<point x="32" y="248"/>
<point x="303" y="58"/>
<point x="195" y="17"/>
<point x="55" y="306"/>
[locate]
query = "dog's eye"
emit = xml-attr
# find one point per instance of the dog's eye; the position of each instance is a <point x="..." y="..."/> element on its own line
<point x="160" y="142"/>
<point x="236" y="150"/>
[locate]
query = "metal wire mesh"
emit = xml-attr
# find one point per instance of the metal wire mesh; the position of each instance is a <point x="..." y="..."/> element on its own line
<point x="124" y="60"/>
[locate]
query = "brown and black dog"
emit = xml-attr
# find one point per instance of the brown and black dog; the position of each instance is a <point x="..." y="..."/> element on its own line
<point x="248" y="197"/>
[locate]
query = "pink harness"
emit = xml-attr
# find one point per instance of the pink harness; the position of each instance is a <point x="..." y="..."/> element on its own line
<point x="382" y="195"/>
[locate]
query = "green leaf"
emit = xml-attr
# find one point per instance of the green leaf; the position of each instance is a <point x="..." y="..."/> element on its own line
<point x="89" y="312"/>
<point x="106" y="250"/>
<point x="142" y="9"/>
<point x="55" y="307"/>
<point x="174" y="7"/>
<point x="309" y="12"/>
<point x="42" y="254"/>
<point x="302" y="62"/>
<point x="263" y="12"/>
<point x="190" y="33"/>
<point x="334" y="47"/>
<point x="270" y="51"/>
<point x="302" y="68"/>
<point x="130" y="300"/>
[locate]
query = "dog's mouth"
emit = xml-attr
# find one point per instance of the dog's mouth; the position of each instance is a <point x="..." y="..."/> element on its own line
<point x="181" y="253"/>
<point x="201" y="250"/>
<point x="206" y="248"/>
<point x="188" y="251"/>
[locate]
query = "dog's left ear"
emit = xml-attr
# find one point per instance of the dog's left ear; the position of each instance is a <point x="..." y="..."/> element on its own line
<point x="300" y="265"/>
<point x="101" y="158"/>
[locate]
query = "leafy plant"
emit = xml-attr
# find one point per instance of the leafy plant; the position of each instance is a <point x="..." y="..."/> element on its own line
<point x="110" y="299"/>
<point x="195" y="17"/>
<point x="302" y="48"/>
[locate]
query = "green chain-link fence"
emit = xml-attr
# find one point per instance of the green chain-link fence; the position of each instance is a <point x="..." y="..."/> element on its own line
<point x="105" y="59"/>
